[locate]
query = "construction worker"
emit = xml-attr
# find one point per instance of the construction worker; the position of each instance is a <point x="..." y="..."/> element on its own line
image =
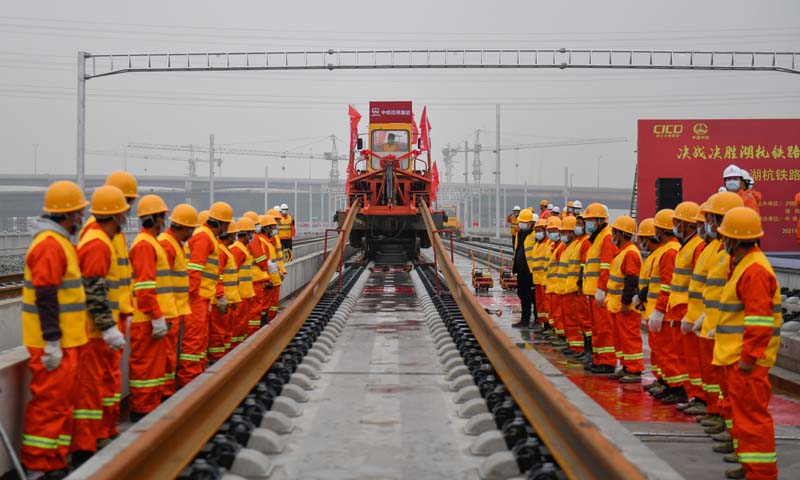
<point x="595" y="286"/>
<point x="261" y="280"/>
<point x="270" y="231"/>
<point x="182" y="223"/>
<point x="623" y="281"/>
<point x="569" y="209"/>
<point x="557" y="338"/>
<point x="747" y="339"/>
<point x="100" y="272"/>
<point x="577" y="207"/>
<point x="665" y="331"/>
<point x="286" y="231"/>
<point x="524" y="243"/>
<point x="557" y="212"/>
<point x="544" y="211"/>
<point x="578" y="305"/>
<point x="749" y="187"/>
<point x="53" y="330"/>
<point x="276" y="241"/>
<point x="572" y="301"/>
<point x="513" y="220"/>
<point x="648" y="244"/>
<point x="541" y="253"/>
<point x="203" y="266"/>
<point x="112" y="384"/>
<point x="733" y="177"/>
<point x="222" y="313"/>
<point x="243" y="258"/>
<point x="153" y="303"/>
<point x="390" y="145"/>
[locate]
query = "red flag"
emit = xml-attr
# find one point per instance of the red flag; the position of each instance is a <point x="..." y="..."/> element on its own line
<point x="435" y="183"/>
<point x="355" y="117"/>
<point x="425" y="133"/>
<point x="414" y="131"/>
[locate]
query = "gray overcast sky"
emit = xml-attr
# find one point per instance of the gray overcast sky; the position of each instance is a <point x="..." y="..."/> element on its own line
<point x="297" y="110"/>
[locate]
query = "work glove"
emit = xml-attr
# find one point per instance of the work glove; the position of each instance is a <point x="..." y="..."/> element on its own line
<point x="114" y="338"/>
<point x="636" y="301"/>
<point x="712" y="332"/>
<point x="655" y="321"/>
<point x="686" y="327"/>
<point x="267" y="285"/>
<point x="159" y="326"/>
<point x="698" y="324"/>
<point x="600" y="297"/>
<point x="222" y="304"/>
<point x="52" y="355"/>
<point x="272" y="266"/>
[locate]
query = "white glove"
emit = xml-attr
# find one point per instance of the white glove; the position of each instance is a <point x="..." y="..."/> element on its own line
<point x="686" y="327"/>
<point x="698" y="324"/>
<point x="222" y="304"/>
<point x="114" y="338"/>
<point x="636" y="301"/>
<point x="52" y="355"/>
<point x="712" y="332"/>
<point x="159" y="327"/>
<point x="272" y="266"/>
<point x="655" y="321"/>
<point x="600" y="297"/>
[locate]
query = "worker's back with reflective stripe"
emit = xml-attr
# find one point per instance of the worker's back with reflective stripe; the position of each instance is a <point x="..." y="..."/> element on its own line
<point x="591" y="271"/>
<point x="112" y="278"/>
<point x="682" y="274"/>
<point x="179" y="276"/>
<point x="163" y="284"/>
<point x="654" y="284"/>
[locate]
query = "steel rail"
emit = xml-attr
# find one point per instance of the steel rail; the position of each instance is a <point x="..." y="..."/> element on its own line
<point x="581" y="450"/>
<point x="168" y="444"/>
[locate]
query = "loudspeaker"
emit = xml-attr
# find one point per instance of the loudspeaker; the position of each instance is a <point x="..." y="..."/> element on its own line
<point x="669" y="192"/>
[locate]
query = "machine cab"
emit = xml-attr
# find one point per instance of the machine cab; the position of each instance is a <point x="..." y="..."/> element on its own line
<point x="390" y="139"/>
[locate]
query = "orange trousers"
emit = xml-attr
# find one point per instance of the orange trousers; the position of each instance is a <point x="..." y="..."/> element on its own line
<point x="574" y="312"/>
<point x="655" y="350"/>
<point x="146" y="365"/>
<point x="690" y="346"/>
<point x="87" y="401"/>
<point x="219" y="332"/>
<point x="171" y="355"/>
<point x="602" y="334"/>
<point x="672" y="365"/>
<point x="112" y="393"/>
<point x="194" y="344"/>
<point x="556" y="318"/>
<point x="628" y="340"/>
<point x="258" y="307"/>
<point x="753" y="426"/>
<point x="273" y="299"/>
<point x="709" y="374"/>
<point x="542" y="305"/>
<point x="48" y="416"/>
<point x="240" y="321"/>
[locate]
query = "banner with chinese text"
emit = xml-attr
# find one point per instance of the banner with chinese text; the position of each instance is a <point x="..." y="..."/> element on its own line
<point x="699" y="150"/>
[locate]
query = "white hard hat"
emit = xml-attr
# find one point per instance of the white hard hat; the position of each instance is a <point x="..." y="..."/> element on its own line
<point x="732" y="171"/>
<point x="746" y="175"/>
<point x="535" y="217"/>
<point x="284" y="206"/>
<point x="577" y="204"/>
<point x="516" y="207"/>
<point x="550" y="206"/>
<point x="555" y="209"/>
<point x="722" y="189"/>
<point x="276" y="207"/>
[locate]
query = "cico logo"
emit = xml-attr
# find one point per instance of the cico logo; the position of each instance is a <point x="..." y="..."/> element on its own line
<point x="667" y="131"/>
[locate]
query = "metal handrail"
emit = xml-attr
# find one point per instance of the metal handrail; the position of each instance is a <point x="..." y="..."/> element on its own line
<point x="581" y="450"/>
<point x="171" y="441"/>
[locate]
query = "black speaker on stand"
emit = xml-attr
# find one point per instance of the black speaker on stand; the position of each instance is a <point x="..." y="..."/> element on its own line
<point x="669" y="192"/>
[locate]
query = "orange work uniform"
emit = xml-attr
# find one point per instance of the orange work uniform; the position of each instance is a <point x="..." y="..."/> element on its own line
<point x="595" y="277"/>
<point x="749" y="200"/>
<point x="541" y="254"/>
<point x="179" y="275"/>
<point x="551" y="285"/>
<point x="668" y="337"/>
<point x="53" y="309"/>
<point x="240" y="320"/>
<point x="622" y="281"/>
<point x="575" y="301"/>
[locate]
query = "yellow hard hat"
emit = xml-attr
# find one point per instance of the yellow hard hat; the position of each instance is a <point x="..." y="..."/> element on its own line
<point x="108" y="200"/>
<point x="267" y="220"/>
<point x="701" y="213"/>
<point x="251" y="215"/>
<point x="721" y="203"/>
<point x="184" y="215"/>
<point x="741" y="223"/>
<point x="544" y="203"/>
<point x="568" y="224"/>
<point x="525" y="216"/>
<point x="542" y="222"/>
<point x="125" y="182"/>
<point x="663" y="219"/>
<point x="553" y="222"/>
<point x="202" y="217"/>
<point x="686" y="212"/>
<point x="233" y="228"/>
<point x="596" y="210"/>
<point x="150" y="205"/>
<point x="245" y="224"/>
<point x="64" y="197"/>
<point x="221" y="211"/>
<point x="647" y="228"/>
<point x="273" y="212"/>
<point x="570" y="204"/>
<point x="625" y="224"/>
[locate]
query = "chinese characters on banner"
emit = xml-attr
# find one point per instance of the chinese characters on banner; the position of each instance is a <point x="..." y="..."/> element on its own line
<point x="697" y="151"/>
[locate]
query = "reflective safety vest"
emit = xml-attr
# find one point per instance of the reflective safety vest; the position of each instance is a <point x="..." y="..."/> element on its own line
<point x="210" y="271"/>
<point x="285" y="226"/>
<point x="729" y="337"/>
<point x="644" y="275"/>
<point x="246" y="289"/>
<point x="179" y="276"/>
<point x="591" y="272"/>
<point x="514" y="221"/>
<point x="575" y="265"/>
<point x="682" y="274"/>
<point x="616" y="280"/>
<point x="563" y="268"/>
<point x="258" y="274"/>
<point x="698" y="282"/>
<point x="654" y="286"/>
<point x="553" y="267"/>
<point x="281" y="254"/>
<point x="120" y="244"/>
<point x="718" y="272"/>
<point x="162" y="285"/>
<point x="274" y="277"/>
<point x="230" y="276"/>
<point x="112" y="279"/>
<point x="541" y="256"/>
<point x="71" y="299"/>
